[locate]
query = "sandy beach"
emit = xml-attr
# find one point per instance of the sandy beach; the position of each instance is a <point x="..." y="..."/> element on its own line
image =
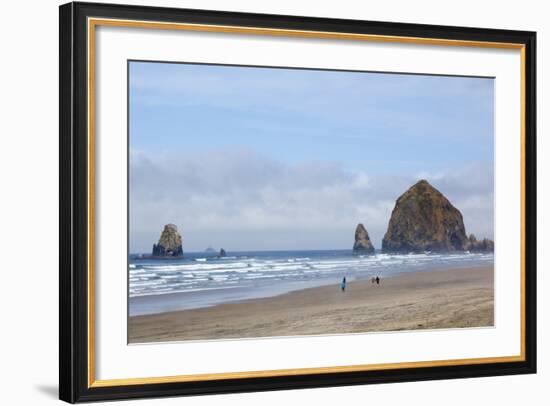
<point x="421" y="300"/>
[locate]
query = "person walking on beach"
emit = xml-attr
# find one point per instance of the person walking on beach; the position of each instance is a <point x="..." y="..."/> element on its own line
<point x="377" y="280"/>
<point x="343" y="284"/>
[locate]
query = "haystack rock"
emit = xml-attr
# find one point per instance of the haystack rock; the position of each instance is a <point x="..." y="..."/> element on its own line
<point x="222" y="253"/>
<point x="362" y="243"/>
<point x="424" y="220"/>
<point x="169" y="244"/>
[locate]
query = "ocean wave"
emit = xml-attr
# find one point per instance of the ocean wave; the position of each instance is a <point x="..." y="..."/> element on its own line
<point x="194" y="274"/>
<point x="168" y="291"/>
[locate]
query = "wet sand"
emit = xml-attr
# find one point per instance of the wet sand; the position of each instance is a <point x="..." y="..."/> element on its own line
<point x="422" y="300"/>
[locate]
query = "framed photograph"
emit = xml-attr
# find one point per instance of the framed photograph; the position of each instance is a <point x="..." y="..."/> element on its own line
<point x="257" y="202"/>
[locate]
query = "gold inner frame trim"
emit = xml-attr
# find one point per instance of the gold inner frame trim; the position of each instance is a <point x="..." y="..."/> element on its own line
<point x="94" y="22"/>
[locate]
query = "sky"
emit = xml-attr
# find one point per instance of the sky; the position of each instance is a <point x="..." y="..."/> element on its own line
<point x="253" y="158"/>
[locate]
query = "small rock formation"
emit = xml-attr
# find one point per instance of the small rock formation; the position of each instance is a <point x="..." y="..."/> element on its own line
<point x="475" y="246"/>
<point x="362" y="244"/>
<point x="424" y="220"/>
<point x="169" y="244"/>
<point x="222" y="253"/>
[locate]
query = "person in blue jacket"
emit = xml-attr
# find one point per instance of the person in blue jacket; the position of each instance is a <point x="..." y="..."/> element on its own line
<point x="343" y="284"/>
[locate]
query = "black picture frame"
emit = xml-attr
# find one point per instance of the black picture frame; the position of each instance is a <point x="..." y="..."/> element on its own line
<point x="74" y="385"/>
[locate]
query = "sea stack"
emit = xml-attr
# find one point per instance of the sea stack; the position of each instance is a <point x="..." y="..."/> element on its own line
<point x="222" y="253"/>
<point x="362" y="244"/>
<point x="485" y="245"/>
<point x="424" y="220"/>
<point x="170" y="243"/>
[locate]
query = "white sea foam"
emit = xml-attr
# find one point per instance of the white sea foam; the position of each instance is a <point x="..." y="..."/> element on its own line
<point x="197" y="274"/>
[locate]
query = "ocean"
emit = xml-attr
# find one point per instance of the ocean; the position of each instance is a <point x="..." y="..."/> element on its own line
<point x="203" y="279"/>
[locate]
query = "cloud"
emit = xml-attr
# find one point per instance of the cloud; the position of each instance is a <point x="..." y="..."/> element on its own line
<point x="241" y="200"/>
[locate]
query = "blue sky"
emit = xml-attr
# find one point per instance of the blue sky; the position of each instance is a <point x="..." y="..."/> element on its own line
<point x="221" y="150"/>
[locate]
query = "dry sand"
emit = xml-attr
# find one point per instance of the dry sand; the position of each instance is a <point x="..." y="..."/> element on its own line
<point x="421" y="300"/>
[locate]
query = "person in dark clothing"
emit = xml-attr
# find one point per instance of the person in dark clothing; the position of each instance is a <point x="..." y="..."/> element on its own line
<point x="377" y="280"/>
<point x="343" y="284"/>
